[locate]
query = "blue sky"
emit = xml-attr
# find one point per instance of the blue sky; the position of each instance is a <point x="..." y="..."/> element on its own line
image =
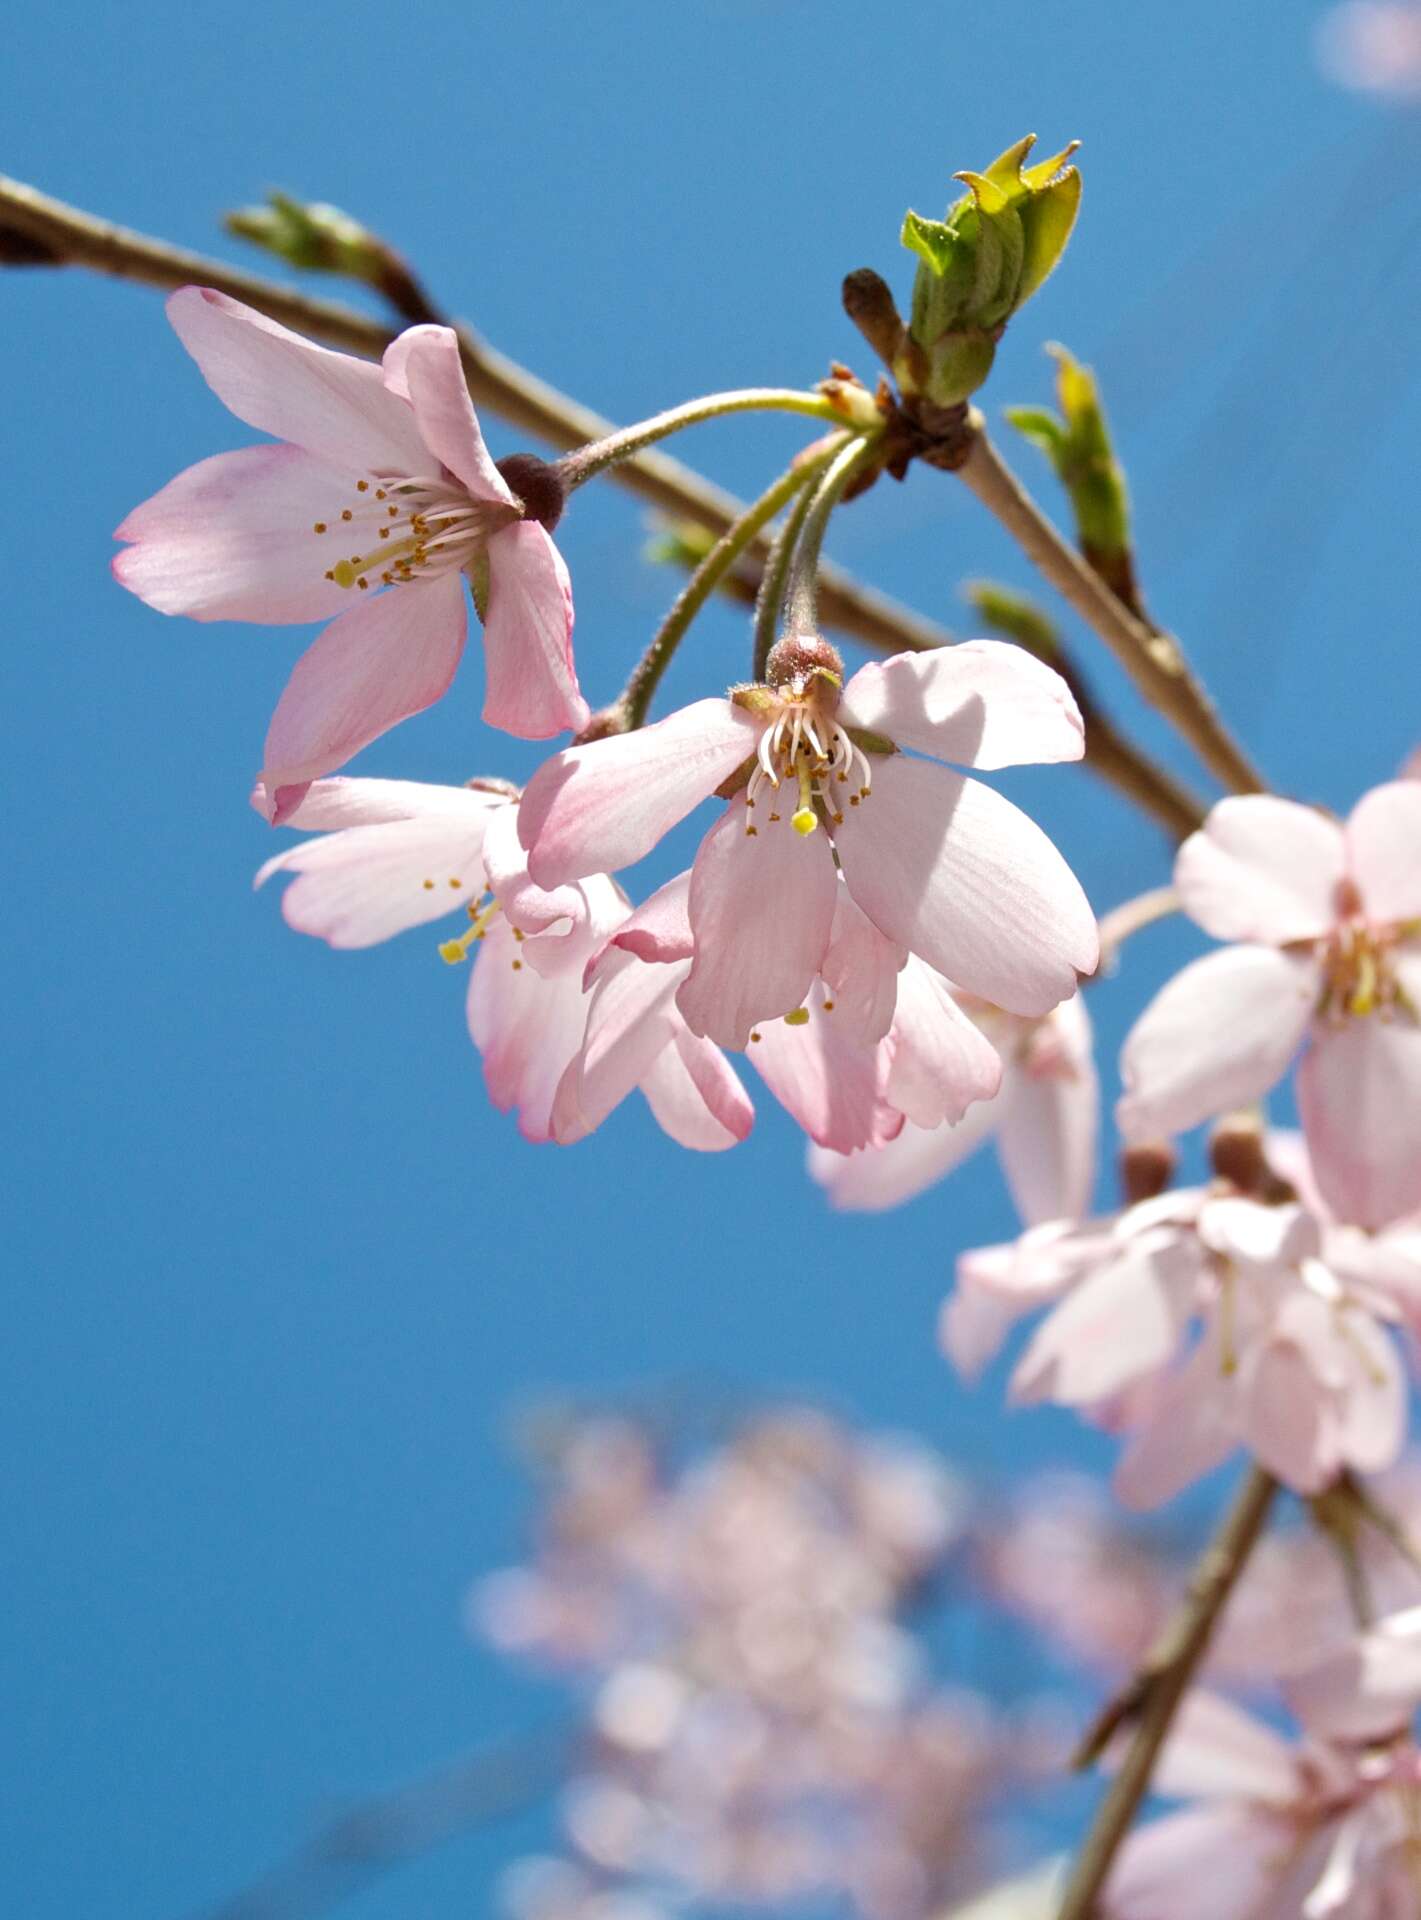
<point x="279" y="1275"/>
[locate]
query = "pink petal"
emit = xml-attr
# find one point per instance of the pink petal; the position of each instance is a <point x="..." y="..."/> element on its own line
<point x="1049" y="1121"/>
<point x="597" y="808"/>
<point x="1216" y="1751"/>
<point x="1384" y="849"/>
<point x="333" y="405"/>
<point x="961" y="877"/>
<point x="631" y="1019"/>
<point x="1191" y="1429"/>
<point x="762" y="908"/>
<point x="389" y="657"/>
<point x="696" y="1098"/>
<point x="940" y="1062"/>
<point x="659" y="930"/>
<point x="972" y="1326"/>
<point x="527" y="1028"/>
<point x="1218" y="1035"/>
<point x="348" y="802"/>
<point x="234" y="538"/>
<point x="1222" y="1862"/>
<point x="826" y="1079"/>
<point x="1288" y="1424"/>
<point x="531" y="687"/>
<point x="1262" y="869"/>
<point x="1359" y="1094"/>
<point x="862" y="969"/>
<point x="917" y="1159"/>
<point x="1373" y="1413"/>
<point x="1248" y="1231"/>
<point x="423" y="367"/>
<point x="363" y="884"/>
<point x="562" y="926"/>
<point x="1118" y="1326"/>
<point x="1367" y="1689"/>
<point x="981" y="703"/>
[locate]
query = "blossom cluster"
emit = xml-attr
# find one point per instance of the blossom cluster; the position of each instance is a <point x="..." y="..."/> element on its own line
<point x="761" y="1729"/>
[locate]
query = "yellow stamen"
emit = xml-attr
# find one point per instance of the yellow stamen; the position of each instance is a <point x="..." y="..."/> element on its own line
<point x="799" y="1018"/>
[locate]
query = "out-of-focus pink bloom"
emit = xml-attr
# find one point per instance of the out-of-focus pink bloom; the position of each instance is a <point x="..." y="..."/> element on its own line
<point x="762" y="1733"/>
<point x="1321" y="1831"/>
<point x="1375" y="46"/>
<point x="1045" y="1121"/>
<point x="1288" y="1361"/>
<point x="825" y="1062"/>
<point x="1328" y="924"/>
<point x="380" y="480"/>
<point x="938" y="864"/>
<point x="396" y="853"/>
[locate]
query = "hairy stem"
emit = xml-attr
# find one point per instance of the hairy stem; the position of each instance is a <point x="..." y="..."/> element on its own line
<point x="579" y="467"/>
<point x="774" y="582"/>
<point x="636" y="698"/>
<point x="1153" y="660"/>
<point x="1153" y="1696"/>
<point x="802" y="613"/>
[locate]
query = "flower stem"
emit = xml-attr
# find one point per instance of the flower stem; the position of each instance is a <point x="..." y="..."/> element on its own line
<point x="1154" y="661"/>
<point x="802" y="615"/>
<point x="1153" y="1696"/>
<point x="636" y="696"/>
<point x="774" y="581"/>
<point x="582" y="464"/>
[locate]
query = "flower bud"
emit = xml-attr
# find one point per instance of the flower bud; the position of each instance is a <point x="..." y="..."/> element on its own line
<point x="1146" y="1169"/>
<point x="979" y="265"/>
<point x="317" y="237"/>
<point x="1078" y="445"/>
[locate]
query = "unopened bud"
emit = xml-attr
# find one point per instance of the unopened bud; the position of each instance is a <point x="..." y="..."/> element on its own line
<point x="1146" y="1169"/>
<point x="315" y="236"/>
<point x="869" y="303"/>
<point x="539" y="486"/>
<point x="1238" y="1154"/>
<point x="799" y="655"/>
<point x="1078" y="445"/>
<point x="979" y="265"/>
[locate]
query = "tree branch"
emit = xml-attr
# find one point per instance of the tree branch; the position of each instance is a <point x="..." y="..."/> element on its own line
<point x="1153" y="660"/>
<point x="1153" y="1696"/>
<point x="37" y="230"/>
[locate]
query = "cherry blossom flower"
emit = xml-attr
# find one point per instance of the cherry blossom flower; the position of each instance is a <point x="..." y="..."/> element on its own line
<point x="820" y="799"/>
<point x="1328" y="924"/>
<point x="828" y="1062"/>
<point x="1044" y="1119"/>
<point x="762" y="1733"/>
<point x="1374" y="46"/>
<point x="380" y="479"/>
<point x="1287" y="1361"/>
<point x="1325" y="1830"/>
<point x="395" y="854"/>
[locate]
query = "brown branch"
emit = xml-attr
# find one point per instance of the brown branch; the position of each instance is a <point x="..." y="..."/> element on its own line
<point x="1153" y="660"/>
<point x="36" y="230"/>
<point x="1153" y="1696"/>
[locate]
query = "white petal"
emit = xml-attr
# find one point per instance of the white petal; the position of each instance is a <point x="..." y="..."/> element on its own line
<point x="982" y="703"/>
<point x="1262" y="869"/>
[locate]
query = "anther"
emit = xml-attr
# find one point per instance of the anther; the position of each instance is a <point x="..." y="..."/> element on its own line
<point x="320" y="526"/>
<point x="429" y="886"/>
<point x="362" y="486"/>
<point x="346" y="514"/>
<point x="799" y="1017"/>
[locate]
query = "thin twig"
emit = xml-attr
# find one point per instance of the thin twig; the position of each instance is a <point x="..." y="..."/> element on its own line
<point x="385" y="1830"/>
<point x="1153" y="1696"/>
<point x="1131" y="917"/>
<point x="1152" y="659"/>
<point x="37" y="230"/>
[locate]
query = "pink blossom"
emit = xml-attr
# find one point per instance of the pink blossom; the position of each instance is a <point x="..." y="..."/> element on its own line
<point x="380" y="479"/>
<point x="394" y="854"/>
<point x="821" y="800"/>
<point x="1044" y="1119"/>
<point x="1286" y="1359"/>
<point x="828" y="1062"/>
<point x="1374" y="46"/>
<point x="1324" y="1830"/>
<point x="1328" y="921"/>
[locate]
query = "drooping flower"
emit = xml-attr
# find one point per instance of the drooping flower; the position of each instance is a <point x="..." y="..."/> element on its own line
<point x="828" y="1062"/>
<point x="378" y="495"/>
<point x="1325" y="1830"/>
<point x="1194" y="1323"/>
<point x="1328" y="921"/>
<point x="819" y="798"/>
<point x="393" y="854"/>
<point x="1044" y="1119"/>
